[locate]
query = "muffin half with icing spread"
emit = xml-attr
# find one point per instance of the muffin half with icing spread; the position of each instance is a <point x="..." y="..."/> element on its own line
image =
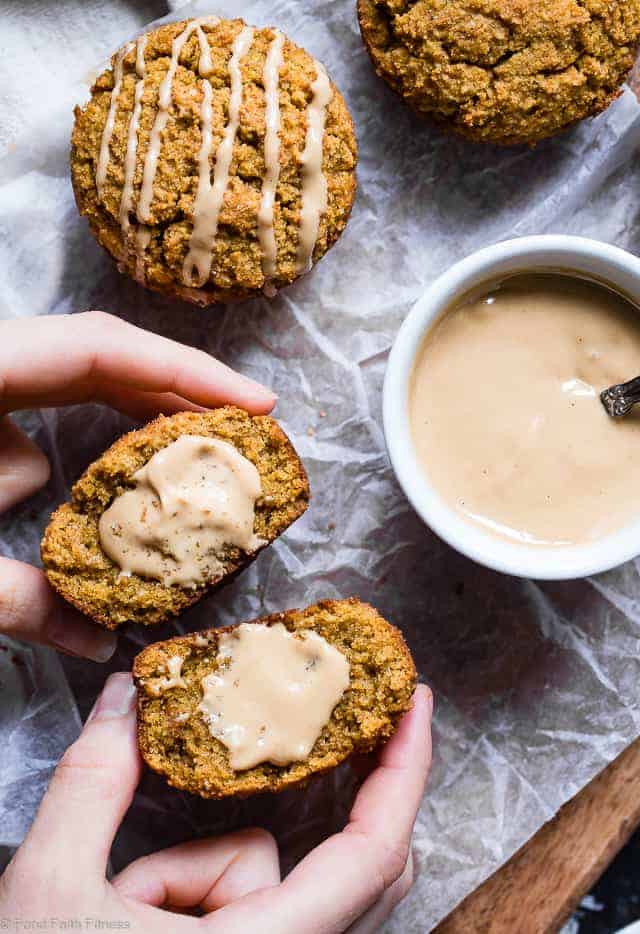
<point x="214" y="161"/>
<point x="171" y="511"/>
<point x="267" y="704"/>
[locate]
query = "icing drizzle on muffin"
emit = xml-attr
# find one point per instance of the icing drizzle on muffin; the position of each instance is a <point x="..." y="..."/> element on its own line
<point x="210" y="192"/>
<point x="271" y="81"/>
<point x="107" y="133"/>
<point x="206" y="209"/>
<point x="314" y="184"/>
<point x="141" y="234"/>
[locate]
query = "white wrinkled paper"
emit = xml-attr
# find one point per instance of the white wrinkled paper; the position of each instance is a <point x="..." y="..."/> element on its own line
<point x="536" y="684"/>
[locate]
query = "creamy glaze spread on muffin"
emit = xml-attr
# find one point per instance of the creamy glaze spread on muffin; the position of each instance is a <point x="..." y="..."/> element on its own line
<point x="186" y="717"/>
<point x="214" y="160"/>
<point x="135" y="543"/>
<point x="503" y="71"/>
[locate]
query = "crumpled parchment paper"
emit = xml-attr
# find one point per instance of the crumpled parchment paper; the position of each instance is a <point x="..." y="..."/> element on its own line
<point x="536" y="684"/>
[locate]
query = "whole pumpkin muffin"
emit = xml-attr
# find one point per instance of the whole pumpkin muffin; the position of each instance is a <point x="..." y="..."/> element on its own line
<point x="214" y="160"/>
<point x="503" y="71"/>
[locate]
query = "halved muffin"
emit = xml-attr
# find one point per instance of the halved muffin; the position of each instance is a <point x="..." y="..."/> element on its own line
<point x="73" y="552"/>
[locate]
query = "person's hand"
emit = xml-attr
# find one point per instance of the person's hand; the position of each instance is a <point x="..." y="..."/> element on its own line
<point x="351" y="882"/>
<point x="60" y="360"/>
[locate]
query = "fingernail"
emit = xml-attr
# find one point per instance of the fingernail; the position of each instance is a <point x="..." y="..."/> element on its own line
<point x="431" y="701"/>
<point x="117" y="699"/>
<point x="79" y="637"/>
<point x="428" y="697"/>
<point x="260" y="388"/>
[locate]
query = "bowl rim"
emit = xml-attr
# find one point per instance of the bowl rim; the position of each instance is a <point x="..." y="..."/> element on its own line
<point x="560" y="253"/>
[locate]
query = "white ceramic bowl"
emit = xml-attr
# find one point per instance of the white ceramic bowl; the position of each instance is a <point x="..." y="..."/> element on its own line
<point x="589" y="258"/>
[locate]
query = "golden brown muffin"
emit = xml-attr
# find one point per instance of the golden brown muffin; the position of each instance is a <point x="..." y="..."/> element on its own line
<point x="175" y="740"/>
<point x="74" y="561"/>
<point x="123" y="126"/>
<point x="503" y="71"/>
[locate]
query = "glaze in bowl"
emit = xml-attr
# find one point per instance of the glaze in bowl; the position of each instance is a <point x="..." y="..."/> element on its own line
<point x="567" y="255"/>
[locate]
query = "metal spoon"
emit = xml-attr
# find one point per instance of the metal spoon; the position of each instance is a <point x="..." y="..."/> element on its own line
<point x="618" y="400"/>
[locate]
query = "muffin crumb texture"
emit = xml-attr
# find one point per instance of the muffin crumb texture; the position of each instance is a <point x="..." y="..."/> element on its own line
<point x="503" y="71"/>
<point x="78" y="568"/>
<point x="176" y="741"/>
<point x="192" y="160"/>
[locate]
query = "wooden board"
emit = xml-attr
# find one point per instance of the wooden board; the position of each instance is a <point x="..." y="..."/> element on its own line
<point x="540" y="886"/>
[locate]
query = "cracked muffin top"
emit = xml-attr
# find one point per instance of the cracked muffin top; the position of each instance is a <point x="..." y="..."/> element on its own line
<point x="503" y="71"/>
<point x="214" y="161"/>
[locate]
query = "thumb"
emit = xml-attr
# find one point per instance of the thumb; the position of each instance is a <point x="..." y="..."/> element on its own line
<point x="91" y="788"/>
<point x="23" y="467"/>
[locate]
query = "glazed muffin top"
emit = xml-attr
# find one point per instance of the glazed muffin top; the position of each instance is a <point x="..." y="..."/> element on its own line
<point x="503" y="71"/>
<point x="214" y="160"/>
